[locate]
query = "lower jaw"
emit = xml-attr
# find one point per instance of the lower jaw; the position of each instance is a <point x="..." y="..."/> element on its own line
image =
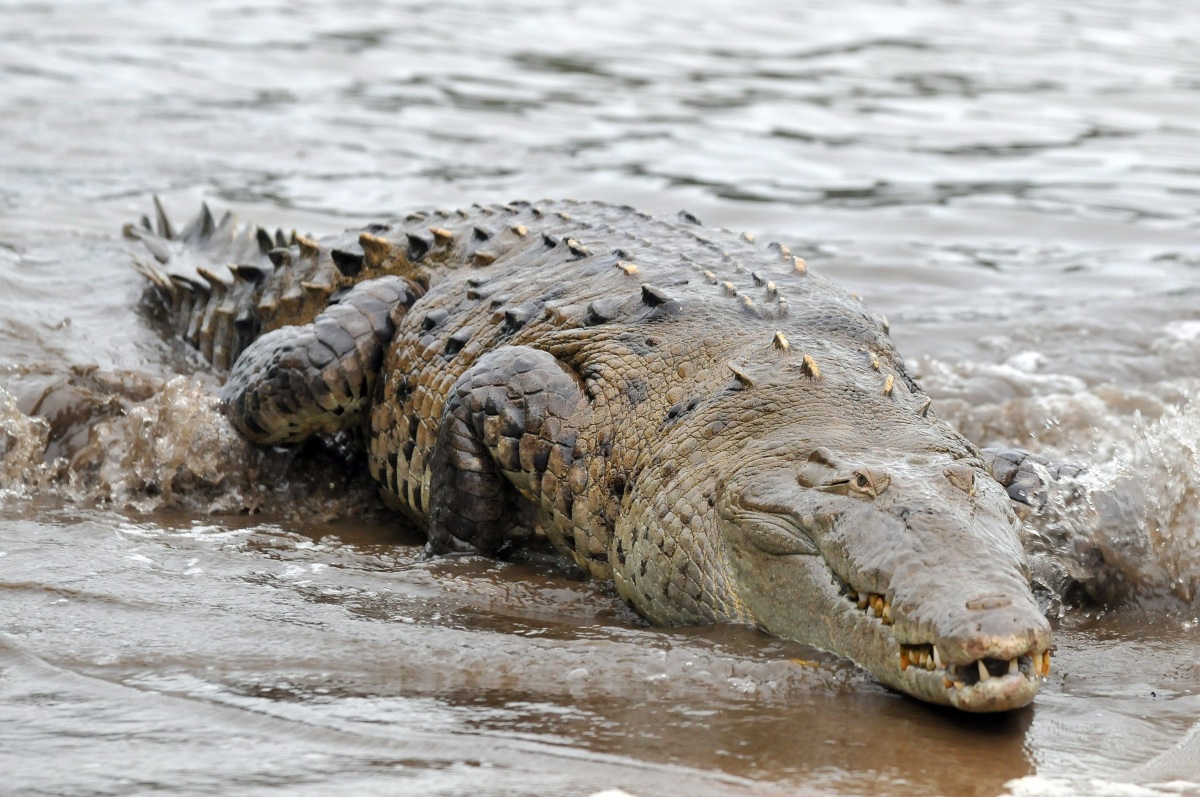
<point x="998" y="693"/>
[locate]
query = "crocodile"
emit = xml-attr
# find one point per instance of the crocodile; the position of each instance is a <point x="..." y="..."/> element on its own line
<point x="725" y="435"/>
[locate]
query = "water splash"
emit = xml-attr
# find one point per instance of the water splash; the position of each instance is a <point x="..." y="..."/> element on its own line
<point x="117" y="442"/>
<point x="23" y="441"/>
<point x="1128" y="531"/>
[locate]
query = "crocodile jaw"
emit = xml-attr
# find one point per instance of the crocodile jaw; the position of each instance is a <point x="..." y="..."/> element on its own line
<point x="829" y="617"/>
<point x="985" y="671"/>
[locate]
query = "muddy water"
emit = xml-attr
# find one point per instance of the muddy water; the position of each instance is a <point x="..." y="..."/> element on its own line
<point x="1015" y="185"/>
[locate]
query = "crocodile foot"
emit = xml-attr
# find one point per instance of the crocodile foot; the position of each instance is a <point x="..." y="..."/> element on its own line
<point x="1028" y="477"/>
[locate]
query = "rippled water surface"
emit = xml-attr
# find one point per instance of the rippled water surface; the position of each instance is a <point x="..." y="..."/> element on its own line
<point x="1015" y="185"/>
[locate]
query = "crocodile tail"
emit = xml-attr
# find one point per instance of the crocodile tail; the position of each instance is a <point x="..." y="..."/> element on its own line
<point x="224" y="284"/>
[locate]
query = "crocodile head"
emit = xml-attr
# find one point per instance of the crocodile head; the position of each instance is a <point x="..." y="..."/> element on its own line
<point x="907" y="563"/>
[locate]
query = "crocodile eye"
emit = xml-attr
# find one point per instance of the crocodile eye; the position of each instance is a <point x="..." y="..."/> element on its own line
<point x="870" y="482"/>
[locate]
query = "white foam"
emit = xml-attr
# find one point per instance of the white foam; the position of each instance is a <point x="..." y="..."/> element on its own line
<point x="1040" y="786"/>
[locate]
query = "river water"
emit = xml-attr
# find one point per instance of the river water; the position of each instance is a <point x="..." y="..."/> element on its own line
<point x="1016" y="185"/>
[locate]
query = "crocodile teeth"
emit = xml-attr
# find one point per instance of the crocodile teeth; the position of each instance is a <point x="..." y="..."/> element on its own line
<point x="936" y="658"/>
<point x="983" y="671"/>
<point x="1012" y="666"/>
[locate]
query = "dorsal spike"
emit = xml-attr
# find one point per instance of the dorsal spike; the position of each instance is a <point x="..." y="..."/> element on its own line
<point x="809" y="366"/>
<point x="212" y="278"/>
<point x="780" y="342"/>
<point x="225" y="226"/>
<point x="799" y="266"/>
<point x="433" y="319"/>
<point x="375" y="249"/>
<point x="265" y="241"/>
<point x="157" y="246"/>
<point x="601" y="310"/>
<point x="480" y="234"/>
<point x="348" y="262"/>
<point x="249" y="272"/>
<point x="740" y="375"/>
<point x="308" y="247"/>
<point x="207" y="225"/>
<point x="280" y="256"/>
<point x="516" y="317"/>
<point x="318" y="288"/>
<point x="578" y="250"/>
<point x="483" y="258"/>
<point x="549" y="241"/>
<point x="442" y="236"/>
<point x="688" y="218"/>
<point x="164" y="224"/>
<point x="188" y="284"/>
<point x="191" y="231"/>
<point x="281" y="239"/>
<point x="653" y="296"/>
<point x="418" y="246"/>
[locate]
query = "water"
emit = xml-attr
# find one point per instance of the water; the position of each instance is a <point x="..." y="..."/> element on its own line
<point x="1014" y="185"/>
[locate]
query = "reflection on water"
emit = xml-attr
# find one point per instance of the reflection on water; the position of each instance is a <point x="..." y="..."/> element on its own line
<point x="1013" y="184"/>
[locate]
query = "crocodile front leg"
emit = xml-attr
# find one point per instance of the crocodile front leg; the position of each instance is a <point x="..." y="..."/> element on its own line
<point x="508" y="433"/>
<point x="318" y="378"/>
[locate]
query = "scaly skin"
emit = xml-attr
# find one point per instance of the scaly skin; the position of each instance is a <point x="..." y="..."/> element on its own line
<point x="725" y="435"/>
